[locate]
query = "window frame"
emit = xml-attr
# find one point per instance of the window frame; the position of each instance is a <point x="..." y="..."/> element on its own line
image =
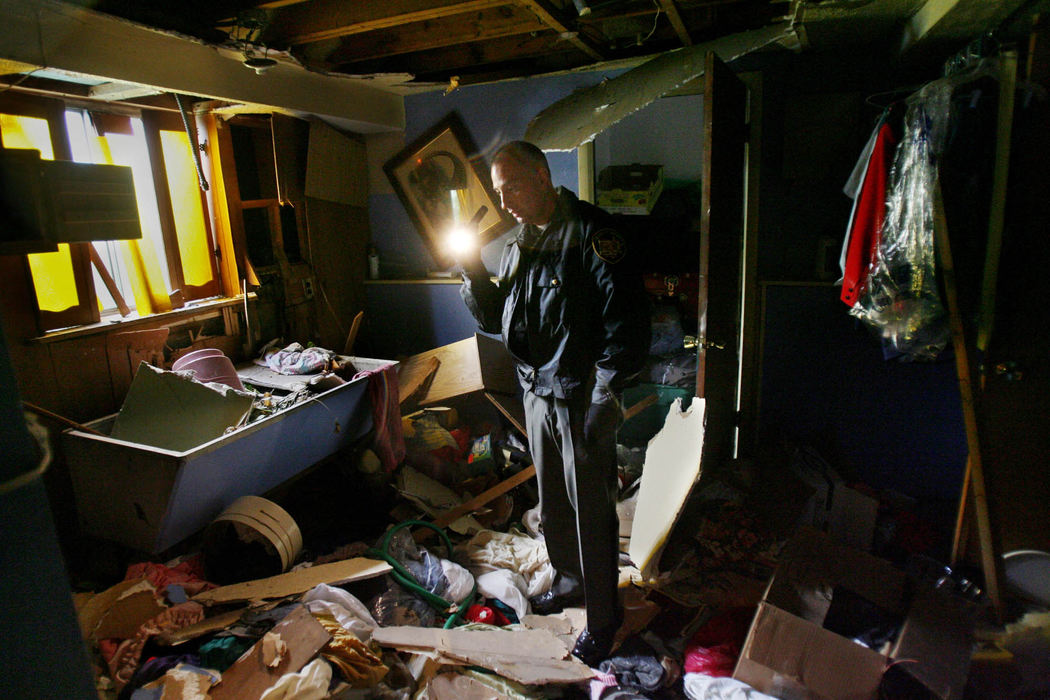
<point x="86" y="310"/>
<point x="154" y="121"/>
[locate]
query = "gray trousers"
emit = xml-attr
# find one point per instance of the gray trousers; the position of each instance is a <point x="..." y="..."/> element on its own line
<point x="578" y="490"/>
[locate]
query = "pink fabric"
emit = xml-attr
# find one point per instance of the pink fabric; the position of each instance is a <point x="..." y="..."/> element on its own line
<point x="389" y="441"/>
<point x="189" y="574"/>
<point x="600" y="682"/>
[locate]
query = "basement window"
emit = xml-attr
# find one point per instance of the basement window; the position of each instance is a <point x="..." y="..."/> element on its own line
<point x="174" y="260"/>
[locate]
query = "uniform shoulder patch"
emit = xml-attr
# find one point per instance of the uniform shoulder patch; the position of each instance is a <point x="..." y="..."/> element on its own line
<point x="609" y="245"/>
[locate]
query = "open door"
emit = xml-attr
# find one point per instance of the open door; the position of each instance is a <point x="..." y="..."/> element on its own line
<point x="721" y="255"/>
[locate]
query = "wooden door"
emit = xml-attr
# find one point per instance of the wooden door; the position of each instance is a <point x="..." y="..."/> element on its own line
<point x="721" y="253"/>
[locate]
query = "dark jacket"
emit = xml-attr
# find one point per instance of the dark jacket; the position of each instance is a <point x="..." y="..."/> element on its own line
<point x="569" y="303"/>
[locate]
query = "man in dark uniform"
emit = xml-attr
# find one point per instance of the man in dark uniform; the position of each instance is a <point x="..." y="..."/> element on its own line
<point x="571" y="308"/>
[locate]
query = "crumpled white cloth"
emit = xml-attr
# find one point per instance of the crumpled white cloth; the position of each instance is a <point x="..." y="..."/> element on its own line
<point x="507" y="586"/>
<point x="490" y="550"/>
<point x="531" y="520"/>
<point x="348" y="611"/>
<point x="460" y="581"/>
<point x="295" y="359"/>
<point x="698" y="686"/>
<point x="311" y="683"/>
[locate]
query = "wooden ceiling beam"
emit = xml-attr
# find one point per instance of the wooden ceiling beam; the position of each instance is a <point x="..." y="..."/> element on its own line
<point x="448" y="31"/>
<point x="671" y="10"/>
<point x="465" y="60"/>
<point x="321" y="20"/>
<point x="552" y="17"/>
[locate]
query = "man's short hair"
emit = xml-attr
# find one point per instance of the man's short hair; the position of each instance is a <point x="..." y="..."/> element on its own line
<point x="524" y="152"/>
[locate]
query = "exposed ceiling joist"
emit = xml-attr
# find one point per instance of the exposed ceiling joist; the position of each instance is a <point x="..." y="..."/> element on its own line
<point x="953" y="20"/>
<point x="486" y="25"/>
<point x="330" y="19"/>
<point x="671" y="10"/>
<point x="552" y="18"/>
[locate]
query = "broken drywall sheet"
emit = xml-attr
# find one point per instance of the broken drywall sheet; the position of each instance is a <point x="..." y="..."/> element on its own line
<point x="120" y="610"/>
<point x="285" y="649"/>
<point x="294" y="582"/>
<point x="672" y="466"/>
<point x="526" y="656"/>
<point x="170" y="411"/>
<point x="581" y="116"/>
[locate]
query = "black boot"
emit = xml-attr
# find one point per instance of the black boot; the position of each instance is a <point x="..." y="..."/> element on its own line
<point x="566" y="592"/>
<point x="594" y="646"/>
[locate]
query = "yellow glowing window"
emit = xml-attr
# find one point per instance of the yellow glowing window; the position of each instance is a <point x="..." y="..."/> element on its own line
<point x="186" y="208"/>
<point x="52" y="273"/>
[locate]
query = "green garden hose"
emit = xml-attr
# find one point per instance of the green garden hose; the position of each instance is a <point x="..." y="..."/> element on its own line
<point x="406" y="580"/>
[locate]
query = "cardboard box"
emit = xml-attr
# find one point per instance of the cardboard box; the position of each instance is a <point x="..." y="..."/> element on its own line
<point x="846" y="514"/>
<point x="630" y="189"/>
<point x="150" y="498"/>
<point x="790" y="652"/>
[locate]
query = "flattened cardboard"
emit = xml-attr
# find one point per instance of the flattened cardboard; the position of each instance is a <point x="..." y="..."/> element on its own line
<point x="672" y="466"/>
<point x="250" y="676"/>
<point x="526" y="656"/>
<point x="334" y="573"/>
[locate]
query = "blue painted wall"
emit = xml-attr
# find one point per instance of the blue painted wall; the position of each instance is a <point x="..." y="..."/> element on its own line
<point x="825" y="384"/>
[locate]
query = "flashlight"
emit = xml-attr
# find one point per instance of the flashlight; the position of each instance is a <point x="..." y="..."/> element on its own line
<point x="463" y="238"/>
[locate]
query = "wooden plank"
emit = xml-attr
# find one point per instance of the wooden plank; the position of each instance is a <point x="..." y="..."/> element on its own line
<point x="511" y="408"/>
<point x="295" y="582"/>
<point x="107" y="279"/>
<point x="251" y="675"/>
<point x="997" y="213"/>
<point x="482" y="499"/>
<point x="415" y="380"/>
<point x="61" y="419"/>
<point x="550" y="16"/>
<point x="671" y="10"/>
<point x="967" y="395"/>
<point x="447" y="31"/>
<point x="321" y="20"/>
<point x="351" y="337"/>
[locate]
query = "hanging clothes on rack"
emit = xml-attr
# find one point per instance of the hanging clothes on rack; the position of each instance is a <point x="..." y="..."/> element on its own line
<point x="868" y="186"/>
<point x="899" y="299"/>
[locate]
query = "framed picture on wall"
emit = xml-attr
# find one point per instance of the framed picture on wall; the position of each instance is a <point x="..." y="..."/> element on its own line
<point x="442" y="185"/>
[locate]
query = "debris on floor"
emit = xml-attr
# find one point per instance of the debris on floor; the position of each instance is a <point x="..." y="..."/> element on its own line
<point x="414" y="581"/>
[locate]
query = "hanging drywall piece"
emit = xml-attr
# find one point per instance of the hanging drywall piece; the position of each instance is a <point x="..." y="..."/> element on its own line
<point x="672" y="466"/>
<point x="171" y="411"/>
<point x="581" y="116"/>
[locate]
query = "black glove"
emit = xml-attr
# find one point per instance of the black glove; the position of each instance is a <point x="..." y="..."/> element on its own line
<point x="602" y="421"/>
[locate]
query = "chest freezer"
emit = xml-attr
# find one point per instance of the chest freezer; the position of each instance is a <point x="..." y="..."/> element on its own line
<point x="150" y="498"/>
